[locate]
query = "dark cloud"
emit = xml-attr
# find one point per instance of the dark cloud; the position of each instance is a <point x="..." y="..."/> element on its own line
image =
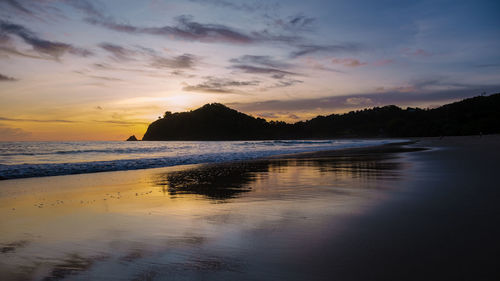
<point x="42" y="11"/>
<point x="105" y="78"/>
<point x="300" y="21"/>
<point x="36" y="120"/>
<point x="274" y="72"/>
<point x="18" y="6"/>
<point x="86" y="7"/>
<point x="184" y="29"/>
<point x="308" y="49"/>
<point x="118" y="53"/>
<point x="296" y="23"/>
<point x="220" y="85"/>
<point x="41" y="46"/>
<point x="4" y="78"/>
<point x="286" y="83"/>
<point x="347" y="102"/>
<point x="270" y="115"/>
<point x="439" y="82"/>
<point x="262" y="65"/>
<point x="190" y="30"/>
<point x="178" y="62"/>
<point x="103" y="66"/>
<point x="248" y="6"/>
<point x="10" y="50"/>
<point x="260" y="60"/>
<point x="266" y="36"/>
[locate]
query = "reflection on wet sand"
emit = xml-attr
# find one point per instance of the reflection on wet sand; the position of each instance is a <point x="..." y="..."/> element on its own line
<point x="226" y="181"/>
<point x="162" y="224"/>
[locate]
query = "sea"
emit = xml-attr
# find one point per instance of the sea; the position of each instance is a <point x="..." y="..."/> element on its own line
<point x="38" y="159"/>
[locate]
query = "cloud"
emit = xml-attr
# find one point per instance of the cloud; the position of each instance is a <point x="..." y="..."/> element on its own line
<point x="106" y="78"/>
<point x="318" y="65"/>
<point x="262" y="65"/>
<point x="86" y="7"/>
<point x="118" y="53"/>
<point x="270" y="115"/>
<point x="358" y="101"/>
<point x="18" y="6"/>
<point x="39" y="10"/>
<point x="277" y="115"/>
<point x="260" y="60"/>
<point x="13" y="51"/>
<point x="36" y="120"/>
<point x="350" y="62"/>
<point x="248" y="6"/>
<point x="308" y="49"/>
<point x="4" y="78"/>
<point x="178" y="62"/>
<point x="284" y="83"/>
<point x="268" y="66"/>
<point x="220" y="85"/>
<point x="184" y="29"/>
<point x="276" y="73"/>
<point x="347" y="102"/>
<point x="296" y="23"/>
<point x="44" y="47"/>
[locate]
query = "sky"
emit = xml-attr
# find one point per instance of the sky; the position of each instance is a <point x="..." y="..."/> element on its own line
<point x="104" y="70"/>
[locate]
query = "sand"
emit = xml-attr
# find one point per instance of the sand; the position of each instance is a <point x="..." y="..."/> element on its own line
<point x="385" y="213"/>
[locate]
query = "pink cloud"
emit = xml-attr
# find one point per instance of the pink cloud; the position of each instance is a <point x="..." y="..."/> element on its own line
<point x="348" y="62"/>
<point x="313" y="63"/>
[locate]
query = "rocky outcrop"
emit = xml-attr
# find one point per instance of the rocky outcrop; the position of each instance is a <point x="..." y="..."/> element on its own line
<point x="132" y="138"/>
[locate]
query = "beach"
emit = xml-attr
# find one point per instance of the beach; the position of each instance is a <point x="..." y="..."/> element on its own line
<point x="425" y="209"/>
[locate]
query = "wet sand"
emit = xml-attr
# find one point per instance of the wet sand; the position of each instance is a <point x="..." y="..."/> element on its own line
<point x="386" y="213"/>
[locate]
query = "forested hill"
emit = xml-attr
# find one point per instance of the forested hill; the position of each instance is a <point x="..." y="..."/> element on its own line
<point x="215" y="121"/>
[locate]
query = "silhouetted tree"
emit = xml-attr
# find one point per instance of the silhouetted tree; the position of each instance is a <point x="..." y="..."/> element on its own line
<point x="218" y="122"/>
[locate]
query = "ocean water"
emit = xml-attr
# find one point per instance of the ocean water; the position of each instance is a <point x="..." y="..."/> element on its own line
<point x="36" y="159"/>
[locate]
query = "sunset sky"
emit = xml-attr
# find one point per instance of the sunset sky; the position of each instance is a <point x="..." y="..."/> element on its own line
<point x="103" y="70"/>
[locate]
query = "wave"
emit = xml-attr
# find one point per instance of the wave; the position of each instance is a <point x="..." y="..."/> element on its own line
<point x="140" y="150"/>
<point x="195" y="153"/>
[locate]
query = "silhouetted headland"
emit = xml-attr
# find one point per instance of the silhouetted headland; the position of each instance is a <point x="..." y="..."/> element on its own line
<point x="474" y="116"/>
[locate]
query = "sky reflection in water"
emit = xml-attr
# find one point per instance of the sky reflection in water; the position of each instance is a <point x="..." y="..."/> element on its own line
<point x="246" y="220"/>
